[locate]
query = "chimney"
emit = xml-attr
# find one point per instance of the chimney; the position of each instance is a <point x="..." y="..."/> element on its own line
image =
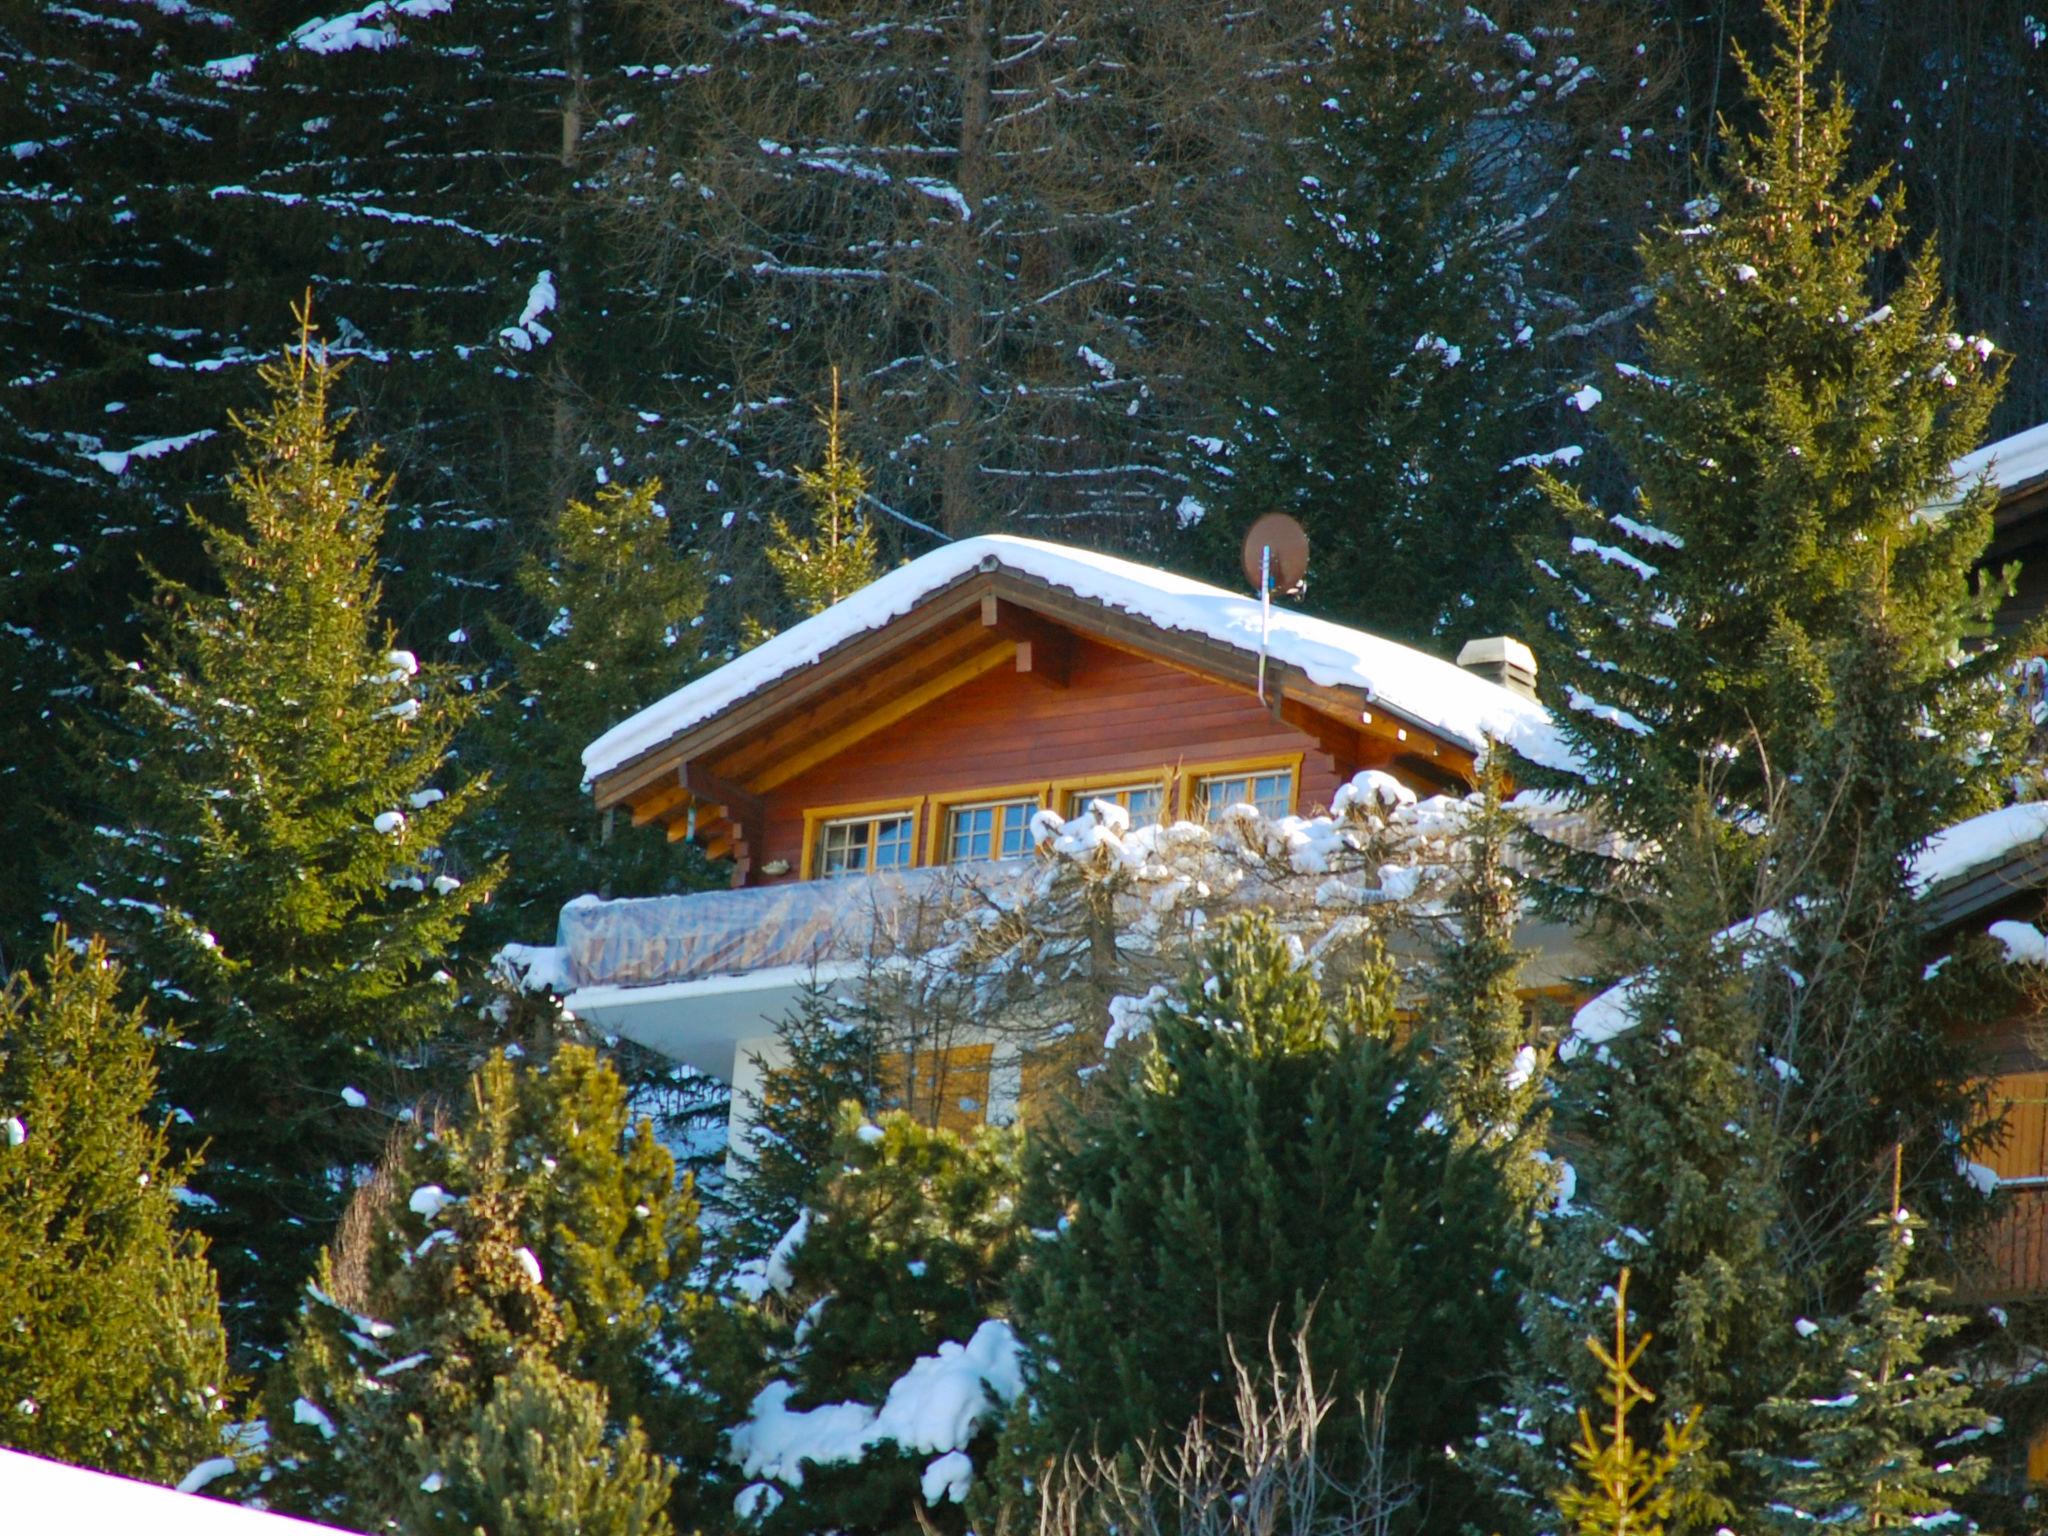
<point x="1504" y="660"/>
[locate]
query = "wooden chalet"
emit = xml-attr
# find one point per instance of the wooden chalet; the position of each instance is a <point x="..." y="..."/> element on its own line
<point x="927" y="719"/>
<point x="924" y="720"/>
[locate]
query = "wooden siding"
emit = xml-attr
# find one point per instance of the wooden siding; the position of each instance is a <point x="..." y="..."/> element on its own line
<point x="1119" y="714"/>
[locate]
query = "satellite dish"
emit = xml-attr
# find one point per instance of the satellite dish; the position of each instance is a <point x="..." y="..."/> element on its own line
<point x="1278" y="539"/>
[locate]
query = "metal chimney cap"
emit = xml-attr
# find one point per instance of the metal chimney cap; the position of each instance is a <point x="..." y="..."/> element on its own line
<point x="1496" y="651"/>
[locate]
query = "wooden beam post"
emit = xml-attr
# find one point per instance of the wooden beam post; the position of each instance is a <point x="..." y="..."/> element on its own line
<point x="1045" y="651"/>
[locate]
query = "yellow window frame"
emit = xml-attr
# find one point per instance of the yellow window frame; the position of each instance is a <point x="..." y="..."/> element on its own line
<point x="1241" y="768"/>
<point x="1088" y="785"/>
<point x="817" y="818"/>
<point x="939" y="828"/>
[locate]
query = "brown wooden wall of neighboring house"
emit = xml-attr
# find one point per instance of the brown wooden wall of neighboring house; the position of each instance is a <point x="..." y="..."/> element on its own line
<point x="1119" y="714"/>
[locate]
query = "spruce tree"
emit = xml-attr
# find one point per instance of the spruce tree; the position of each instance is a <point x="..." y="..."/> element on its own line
<point x="272" y="865"/>
<point x="1792" y="418"/>
<point x="540" y="1457"/>
<point x="838" y="555"/>
<point x="906" y="1246"/>
<point x="1626" y="1488"/>
<point x="828" y="1055"/>
<point x="545" y="1225"/>
<point x="613" y="600"/>
<point x="1473" y="1014"/>
<point x="1874" y="1423"/>
<point x="1271" y="1164"/>
<point x="1664" y="1111"/>
<point x="111" y="1353"/>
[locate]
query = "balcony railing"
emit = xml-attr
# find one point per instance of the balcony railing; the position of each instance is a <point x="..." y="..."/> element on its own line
<point x="2012" y="1261"/>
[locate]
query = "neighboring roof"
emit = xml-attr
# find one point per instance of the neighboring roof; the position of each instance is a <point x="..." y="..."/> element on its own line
<point x="1458" y="705"/>
<point x="41" y="1495"/>
<point x="2014" y="463"/>
<point x="1961" y="872"/>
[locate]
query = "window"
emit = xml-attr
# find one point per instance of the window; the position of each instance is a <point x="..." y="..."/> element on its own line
<point x="1143" y="801"/>
<point x="1001" y="830"/>
<point x="1271" y="791"/>
<point x="857" y="845"/>
<point x="943" y="1086"/>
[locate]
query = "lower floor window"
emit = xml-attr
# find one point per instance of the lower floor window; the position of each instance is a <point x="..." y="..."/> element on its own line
<point x="860" y="844"/>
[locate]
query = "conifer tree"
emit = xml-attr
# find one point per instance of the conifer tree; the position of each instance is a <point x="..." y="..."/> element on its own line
<point x="273" y="862"/>
<point x="112" y="1353"/>
<point x="539" y="1458"/>
<point x="1271" y="1164"/>
<point x="838" y="555"/>
<point x="614" y="599"/>
<point x="1870" y="1412"/>
<point x="545" y="1225"/>
<point x="1473" y="1014"/>
<point x="1626" y="1488"/>
<point x="1677" y="1170"/>
<point x="827" y="1056"/>
<point x="906" y="1246"/>
<point x="1791" y="420"/>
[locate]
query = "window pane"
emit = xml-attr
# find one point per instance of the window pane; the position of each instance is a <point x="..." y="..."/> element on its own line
<point x="1016" y="838"/>
<point x="972" y="828"/>
<point x="1141" y="800"/>
<point x="843" y="848"/>
<point x="1273" y="793"/>
<point x="892" y="843"/>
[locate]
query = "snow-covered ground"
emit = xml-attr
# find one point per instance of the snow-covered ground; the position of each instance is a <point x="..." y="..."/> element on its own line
<point x="38" y="1497"/>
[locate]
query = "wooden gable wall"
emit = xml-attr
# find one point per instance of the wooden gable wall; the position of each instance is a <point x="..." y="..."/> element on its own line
<point x="1118" y="713"/>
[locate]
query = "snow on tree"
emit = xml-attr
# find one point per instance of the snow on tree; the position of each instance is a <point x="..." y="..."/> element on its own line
<point x="612" y="602"/>
<point x="1270" y="1164"/>
<point x="272" y="865"/>
<point x="541" y="1225"/>
<point x="1414" y="309"/>
<point x="113" y="1354"/>
<point x="1789" y="422"/>
<point x="1875" y="1426"/>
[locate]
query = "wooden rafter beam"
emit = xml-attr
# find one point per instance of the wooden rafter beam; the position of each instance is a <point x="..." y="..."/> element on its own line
<point x="901" y="674"/>
<point x="658" y="806"/>
<point x="739" y="806"/>
<point x="887" y="712"/>
<point x="1045" y="651"/>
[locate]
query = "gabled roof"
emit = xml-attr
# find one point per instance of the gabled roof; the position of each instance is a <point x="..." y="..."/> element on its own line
<point x="2016" y="464"/>
<point x="41" y="1495"/>
<point x="1344" y="668"/>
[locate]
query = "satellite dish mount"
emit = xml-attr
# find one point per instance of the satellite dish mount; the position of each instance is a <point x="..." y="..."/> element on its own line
<point x="1275" y="560"/>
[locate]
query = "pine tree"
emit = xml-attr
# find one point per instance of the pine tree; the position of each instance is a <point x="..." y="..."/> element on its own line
<point x="1874" y="1423"/>
<point x="540" y="1457"/>
<point x="827" y="1055"/>
<point x="1290" y="1166"/>
<point x="1677" y="1171"/>
<point x="273" y="867"/>
<point x="1473" y="1014"/>
<point x="1789" y="424"/>
<point x="1627" y="1489"/>
<point x="112" y="1353"/>
<point x="614" y="599"/>
<point x="545" y="1225"/>
<point x="907" y="1245"/>
<point x="838" y="556"/>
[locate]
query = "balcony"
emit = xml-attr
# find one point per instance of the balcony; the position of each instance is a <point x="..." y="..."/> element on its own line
<point x="2012" y="1262"/>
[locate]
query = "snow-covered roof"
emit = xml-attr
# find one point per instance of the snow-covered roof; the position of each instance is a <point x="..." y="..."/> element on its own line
<point x="1952" y="855"/>
<point x="2011" y="461"/>
<point x="41" y="1495"/>
<point x="1459" y="706"/>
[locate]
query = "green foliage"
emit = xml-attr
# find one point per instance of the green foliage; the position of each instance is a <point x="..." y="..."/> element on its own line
<point x="1789" y="421"/>
<point x="838" y="556"/>
<point x="1473" y="1016"/>
<point x="907" y="1245"/>
<point x="1272" y="1164"/>
<point x="1626" y="1488"/>
<point x="827" y="1055"/>
<point x="540" y="1458"/>
<point x="545" y="1225"/>
<point x="615" y="599"/>
<point x="111" y="1349"/>
<point x="274" y="868"/>
<point x="1678" y="1164"/>
<point x="1874" y="1423"/>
